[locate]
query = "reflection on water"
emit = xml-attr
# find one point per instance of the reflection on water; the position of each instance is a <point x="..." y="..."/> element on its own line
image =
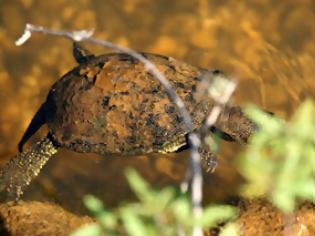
<point x="268" y="45"/>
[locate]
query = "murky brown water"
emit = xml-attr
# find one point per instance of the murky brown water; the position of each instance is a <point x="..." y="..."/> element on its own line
<point x="267" y="45"/>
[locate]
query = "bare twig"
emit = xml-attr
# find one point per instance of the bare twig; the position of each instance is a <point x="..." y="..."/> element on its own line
<point x="194" y="139"/>
<point x="79" y="35"/>
<point x="221" y="98"/>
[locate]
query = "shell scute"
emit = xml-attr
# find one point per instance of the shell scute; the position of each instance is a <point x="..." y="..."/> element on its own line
<point x="112" y="105"/>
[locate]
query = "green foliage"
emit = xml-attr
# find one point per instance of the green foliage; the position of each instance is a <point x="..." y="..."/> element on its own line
<point x="279" y="163"/>
<point x="231" y="229"/>
<point x="159" y="212"/>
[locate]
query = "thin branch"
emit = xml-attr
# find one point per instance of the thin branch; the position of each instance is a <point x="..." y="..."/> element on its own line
<point x="78" y="35"/>
<point x="194" y="139"/>
<point x="221" y="99"/>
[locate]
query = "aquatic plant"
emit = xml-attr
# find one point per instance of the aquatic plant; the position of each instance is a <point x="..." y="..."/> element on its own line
<point x="159" y="212"/>
<point x="279" y="163"/>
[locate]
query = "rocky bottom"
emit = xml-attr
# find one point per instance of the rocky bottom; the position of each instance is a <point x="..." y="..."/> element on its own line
<point x="38" y="219"/>
<point x="257" y="217"/>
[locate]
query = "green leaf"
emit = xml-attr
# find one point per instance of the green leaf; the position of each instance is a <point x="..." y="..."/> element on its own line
<point x="280" y="160"/>
<point x="306" y="189"/>
<point x="216" y="214"/>
<point x="132" y="223"/>
<point x="231" y="229"/>
<point x="164" y="197"/>
<point x="139" y="186"/>
<point x="89" y="230"/>
<point x="107" y="219"/>
<point x="304" y="119"/>
<point x="93" y="204"/>
<point x="284" y="201"/>
<point x="267" y="123"/>
<point x="182" y="210"/>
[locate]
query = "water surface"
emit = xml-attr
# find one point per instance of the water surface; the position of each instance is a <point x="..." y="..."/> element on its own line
<point x="267" y="45"/>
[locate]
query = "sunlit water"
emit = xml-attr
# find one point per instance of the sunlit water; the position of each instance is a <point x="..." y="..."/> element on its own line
<point x="267" y="45"/>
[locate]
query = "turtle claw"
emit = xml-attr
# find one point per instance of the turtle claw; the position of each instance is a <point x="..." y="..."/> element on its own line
<point x="210" y="163"/>
<point x="208" y="160"/>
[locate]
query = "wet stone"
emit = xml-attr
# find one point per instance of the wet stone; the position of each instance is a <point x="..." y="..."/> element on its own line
<point x="38" y="218"/>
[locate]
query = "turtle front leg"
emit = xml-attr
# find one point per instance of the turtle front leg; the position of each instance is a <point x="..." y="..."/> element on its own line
<point x="20" y="170"/>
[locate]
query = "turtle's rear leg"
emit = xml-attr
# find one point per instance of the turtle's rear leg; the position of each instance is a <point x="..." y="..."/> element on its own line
<point x="19" y="171"/>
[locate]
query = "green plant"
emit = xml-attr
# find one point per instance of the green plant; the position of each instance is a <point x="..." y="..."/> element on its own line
<point x="159" y="212"/>
<point x="279" y="163"/>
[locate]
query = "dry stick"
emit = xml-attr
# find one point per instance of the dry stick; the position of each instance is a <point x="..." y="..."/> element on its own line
<point x="194" y="139"/>
<point x="220" y="102"/>
<point x="213" y="117"/>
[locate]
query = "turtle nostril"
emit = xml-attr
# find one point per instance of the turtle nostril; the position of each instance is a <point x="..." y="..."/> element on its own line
<point x="217" y="72"/>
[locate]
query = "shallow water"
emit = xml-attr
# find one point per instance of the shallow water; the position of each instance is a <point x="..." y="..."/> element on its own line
<point x="267" y="45"/>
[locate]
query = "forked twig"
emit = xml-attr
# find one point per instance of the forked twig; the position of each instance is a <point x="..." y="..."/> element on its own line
<point x="194" y="139"/>
<point x="221" y="97"/>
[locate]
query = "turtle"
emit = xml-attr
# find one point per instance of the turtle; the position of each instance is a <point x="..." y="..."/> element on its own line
<point x="111" y="105"/>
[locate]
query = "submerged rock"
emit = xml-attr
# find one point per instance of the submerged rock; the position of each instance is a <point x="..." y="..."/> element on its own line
<point x="38" y="218"/>
<point x="259" y="217"/>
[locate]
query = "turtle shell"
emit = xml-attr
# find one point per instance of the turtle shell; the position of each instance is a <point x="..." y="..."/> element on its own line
<point x="111" y="104"/>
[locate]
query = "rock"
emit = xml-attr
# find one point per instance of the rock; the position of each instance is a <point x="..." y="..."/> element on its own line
<point x="38" y="218"/>
<point x="259" y="217"/>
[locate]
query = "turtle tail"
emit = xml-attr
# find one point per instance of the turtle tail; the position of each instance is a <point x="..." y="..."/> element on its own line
<point x="19" y="171"/>
<point x="38" y="120"/>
